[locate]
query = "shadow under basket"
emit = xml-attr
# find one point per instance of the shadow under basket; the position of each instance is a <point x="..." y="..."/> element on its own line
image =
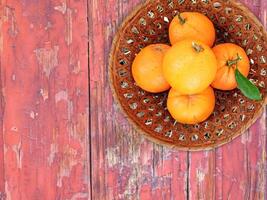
<point x="147" y="112"/>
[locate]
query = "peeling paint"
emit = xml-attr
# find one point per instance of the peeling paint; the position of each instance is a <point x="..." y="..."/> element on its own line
<point x="135" y="151"/>
<point x="61" y="96"/>
<point x="68" y="162"/>
<point x="67" y="12"/>
<point x="79" y="131"/>
<point x="185" y="180"/>
<point x="9" y="16"/>
<point x="42" y="157"/>
<point x="1" y="35"/>
<point x="246" y="137"/>
<point x="261" y="163"/>
<point x="79" y="195"/>
<point x="48" y="26"/>
<point x="19" y="154"/>
<point x="77" y="68"/>
<point x="62" y="8"/>
<point x="81" y="126"/>
<point x="200" y="175"/>
<point x="14" y="128"/>
<point x="47" y="57"/>
<point x="112" y="156"/>
<point x="32" y="115"/>
<point x="7" y="191"/>
<point x="52" y="154"/>
<point x="70" y="110"/>
<point x="68" y="29"/>
<point x="123" y="152"/>
<point x="130" y="189"/>
<point x="13" y="77"/>
<point x="44" y="93"/>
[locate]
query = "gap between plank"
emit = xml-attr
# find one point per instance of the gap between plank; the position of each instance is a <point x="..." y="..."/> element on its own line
<point x="89" y="99"/>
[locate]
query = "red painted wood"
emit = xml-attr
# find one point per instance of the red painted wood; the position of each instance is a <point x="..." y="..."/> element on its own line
<point x="241" y="165"/>
<point x="127" y="166"/>
<point x="2" y="172"/>
<point x="201" y="175"/>
<point x="48" y="148"/>
<point x="236" y="170"/>
<point x="124" y="164"/>
<point x="44" y="73"/>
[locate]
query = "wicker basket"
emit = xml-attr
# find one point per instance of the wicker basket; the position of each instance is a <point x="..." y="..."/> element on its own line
<point x="147" y="112"/>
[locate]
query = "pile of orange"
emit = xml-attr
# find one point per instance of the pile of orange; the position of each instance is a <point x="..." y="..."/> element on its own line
<point x="191" y="67"/>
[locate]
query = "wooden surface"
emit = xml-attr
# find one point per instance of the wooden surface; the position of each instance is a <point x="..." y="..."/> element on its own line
<point x="64" y="138"/>
<point x="44" y="76"/>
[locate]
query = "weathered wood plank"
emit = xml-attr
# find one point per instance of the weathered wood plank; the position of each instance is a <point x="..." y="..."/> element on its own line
<point x="44" y="78"/>
<point x="241" y="164"/>
<point x="201" y="175"/>
<point x="232" y="171"/>
<point x="2" y="171"/>
<point x="124" y="164"/>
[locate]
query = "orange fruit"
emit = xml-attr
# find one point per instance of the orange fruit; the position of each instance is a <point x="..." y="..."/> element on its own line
<point x="191" y="109"/>
<point x="192" y="25"/>
<point x="189" y="66"/>
<point x="147" y="68"/>
<point x="229" y="56"/>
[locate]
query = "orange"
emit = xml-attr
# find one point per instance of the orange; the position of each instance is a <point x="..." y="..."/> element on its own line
<point x="229" y="56"/>
<point x="191" y="109"/>
<point x="147" y="68"/>
<point x="191" y="25"/>
<point x="189" y="66"/>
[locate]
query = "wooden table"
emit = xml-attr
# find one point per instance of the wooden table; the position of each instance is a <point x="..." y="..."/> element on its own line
<point x="64" y="138"/>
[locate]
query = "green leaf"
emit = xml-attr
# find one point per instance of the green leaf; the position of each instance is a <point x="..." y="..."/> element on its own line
<point x="246" y="87"/>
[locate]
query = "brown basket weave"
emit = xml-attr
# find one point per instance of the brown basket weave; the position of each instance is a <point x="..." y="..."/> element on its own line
<point x="147" y="112"/>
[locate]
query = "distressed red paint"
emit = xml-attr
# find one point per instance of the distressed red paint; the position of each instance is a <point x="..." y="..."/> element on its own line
<point x="44" y="72"/>
<point x="127" y="166"/>
<point x="45" y="140"/>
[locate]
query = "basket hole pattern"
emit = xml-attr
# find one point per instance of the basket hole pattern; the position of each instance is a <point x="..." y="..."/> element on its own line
<point x="217" y="5"/>
<point x="232" y="111"/>
<point x="207" y="136"/>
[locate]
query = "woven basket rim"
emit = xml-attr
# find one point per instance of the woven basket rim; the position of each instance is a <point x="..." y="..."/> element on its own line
<point x="211" y="146"/>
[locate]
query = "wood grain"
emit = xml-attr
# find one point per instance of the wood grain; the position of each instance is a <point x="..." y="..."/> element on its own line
<point x="124" y="165"/>
<point x="241" y="165"/>
<point x="44" y="73"/>
<point x="2" y="170"/>
<point x="127" y="166"/>
<point x="59" y="142"/>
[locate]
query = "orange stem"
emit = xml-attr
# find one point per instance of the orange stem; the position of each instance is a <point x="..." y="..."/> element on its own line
<point x="234" y="61"/>
<point x="181" y="19"/>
